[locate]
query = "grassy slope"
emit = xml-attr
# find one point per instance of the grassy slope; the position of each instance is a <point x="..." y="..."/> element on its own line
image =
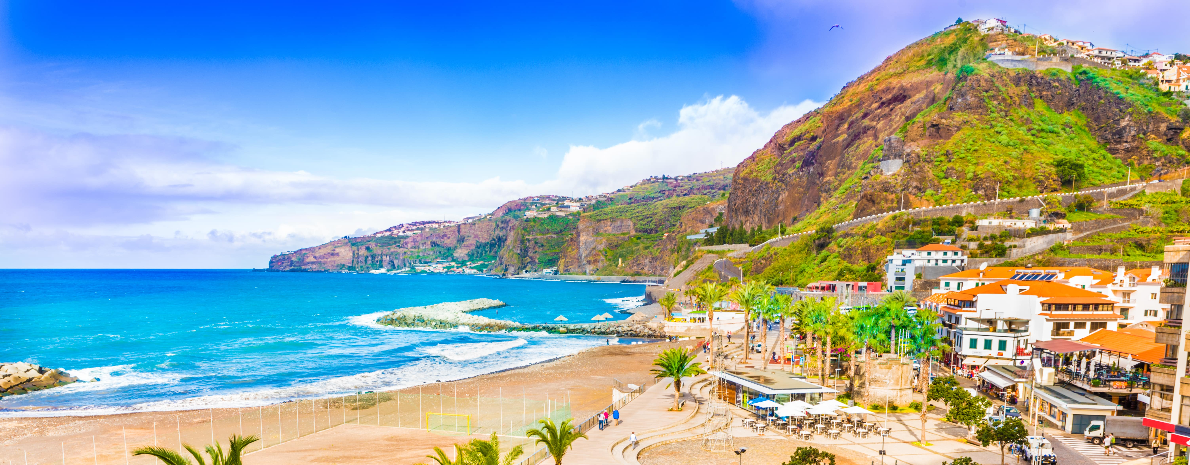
<point x="1015" y="144"/>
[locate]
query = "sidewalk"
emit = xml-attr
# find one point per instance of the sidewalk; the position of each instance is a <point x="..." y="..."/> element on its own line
<point x="649" y="411"/>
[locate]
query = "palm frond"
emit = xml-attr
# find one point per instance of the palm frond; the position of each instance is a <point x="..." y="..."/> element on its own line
<point x="167" y="456"/>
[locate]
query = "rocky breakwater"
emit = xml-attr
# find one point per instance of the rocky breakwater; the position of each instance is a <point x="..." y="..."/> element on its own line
<point x="454" y="315"/>
<point x="20" y="378"/>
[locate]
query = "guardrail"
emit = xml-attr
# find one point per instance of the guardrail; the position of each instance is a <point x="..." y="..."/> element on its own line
<point x="937" y="207"/>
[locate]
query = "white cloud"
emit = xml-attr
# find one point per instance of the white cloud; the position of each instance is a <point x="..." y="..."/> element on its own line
<point x="144" y="201"/>
<point x="718" y="132"/>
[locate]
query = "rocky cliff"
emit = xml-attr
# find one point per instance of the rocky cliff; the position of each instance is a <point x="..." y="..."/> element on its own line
<point x="633" y="231"/>
<point x="935" y="124"/>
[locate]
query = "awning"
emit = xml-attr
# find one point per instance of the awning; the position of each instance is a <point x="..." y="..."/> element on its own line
<point x="995" y="378"/>
<point x="1062" y="346"/>
<point x="985" y="362"/>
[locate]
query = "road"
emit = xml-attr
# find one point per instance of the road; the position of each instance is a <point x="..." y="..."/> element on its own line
<point x="1073" y="450"/>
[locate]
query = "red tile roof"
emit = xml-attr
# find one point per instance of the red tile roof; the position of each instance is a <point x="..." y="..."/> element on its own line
<point x="1140" y="347"/>
<point x="1037" y="288"/>
<point x="937" y="247"/>
<point x="1082" y="316"/>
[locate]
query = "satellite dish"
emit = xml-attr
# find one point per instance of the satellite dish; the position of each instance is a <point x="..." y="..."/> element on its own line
<point x="983" y="266"/>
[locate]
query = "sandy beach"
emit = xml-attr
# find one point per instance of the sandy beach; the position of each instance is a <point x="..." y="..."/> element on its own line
<point x="585" y="379"/>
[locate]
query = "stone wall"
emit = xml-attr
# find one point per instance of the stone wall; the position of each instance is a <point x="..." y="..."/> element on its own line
<point x="891" y="381"/>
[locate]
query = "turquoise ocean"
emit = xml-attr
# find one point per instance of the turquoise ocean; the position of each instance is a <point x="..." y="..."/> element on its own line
<point x="184" y="339"/>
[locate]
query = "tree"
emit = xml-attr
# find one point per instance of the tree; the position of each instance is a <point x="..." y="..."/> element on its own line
<point x="236" y="446"/>
<point x="1070" y="168"/>
<point x="785" y="310"/>
<point x="966" y="409"/>
<point x="810" y="456"/>
<point x="959" y="21"/>
<point x="1009" y="431"/>
<point x="677" y="364"/>
<point x="480" y="452"/>
<point x="943" y="389"/>
<point x="961" y="461"/>
<point x="557" y="438"/>
<point x="924" y="345"/>
<point x="749" y="296"/>
<point x="440" y="457"/>
<point x="707" y="295"/>
<point x="668" y="302"/>
<point x="770" y="310"/>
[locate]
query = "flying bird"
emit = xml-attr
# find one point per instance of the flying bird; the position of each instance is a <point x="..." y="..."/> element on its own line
<point x="833" y="28"/>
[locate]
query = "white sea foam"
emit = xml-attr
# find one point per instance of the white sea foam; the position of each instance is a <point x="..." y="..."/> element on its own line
<point x="369" y="320"/>
<point x="473" y="350"/>
<point x="626" y="303"/>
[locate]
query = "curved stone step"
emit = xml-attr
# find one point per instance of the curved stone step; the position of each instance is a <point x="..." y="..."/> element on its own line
<point x="690" y="426"/>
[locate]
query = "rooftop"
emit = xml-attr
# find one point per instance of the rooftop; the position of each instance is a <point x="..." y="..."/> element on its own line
<point x="1006" y="272"/>
<point x="1036" y="288"/>
<point x="771" y="382"/>
<point x="1140" y="347"/>
<point x="1073" y="397"/>
<point x="939" y="247"/>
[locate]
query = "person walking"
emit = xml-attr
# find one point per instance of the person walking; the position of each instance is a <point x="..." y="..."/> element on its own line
<point x="632" y="439"/>
<point x="602" y="420"/>
<point x="1107" y="443"/>
<point x="616" y="416"/>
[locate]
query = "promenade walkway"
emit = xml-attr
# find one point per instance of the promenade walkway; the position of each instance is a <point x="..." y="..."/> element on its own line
<point x="647" y="412"/>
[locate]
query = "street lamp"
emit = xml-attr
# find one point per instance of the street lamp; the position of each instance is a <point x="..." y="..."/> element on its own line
<point x="740" y="453"/>
<point x="835" y="383"/>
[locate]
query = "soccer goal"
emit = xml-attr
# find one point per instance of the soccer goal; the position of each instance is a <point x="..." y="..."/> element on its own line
<point x="453" y="422"/>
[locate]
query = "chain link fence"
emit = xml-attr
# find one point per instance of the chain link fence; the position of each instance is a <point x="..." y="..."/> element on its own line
<point x="440" y="408"/>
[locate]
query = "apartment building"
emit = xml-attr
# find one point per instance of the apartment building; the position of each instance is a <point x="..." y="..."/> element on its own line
<point x="903" y="266"/>
<point x="1169" y="401"/>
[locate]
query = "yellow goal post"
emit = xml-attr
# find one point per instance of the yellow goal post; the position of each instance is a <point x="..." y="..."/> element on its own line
<point x="449" y="422"/>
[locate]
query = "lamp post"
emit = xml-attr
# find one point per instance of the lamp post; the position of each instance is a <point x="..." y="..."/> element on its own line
<point x="835" y="382"/>
<point x="740" y="453"/>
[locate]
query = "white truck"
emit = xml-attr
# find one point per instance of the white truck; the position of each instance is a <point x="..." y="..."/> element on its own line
<point x="1129" y="431"/>
<point x="1039" y="451"/>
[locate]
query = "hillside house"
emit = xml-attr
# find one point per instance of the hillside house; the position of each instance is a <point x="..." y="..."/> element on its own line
<point x="992" y="26"/>
<point x="1007" y="223"/>
<point x="933" y="260"/>
<point x="1104" y="56"/>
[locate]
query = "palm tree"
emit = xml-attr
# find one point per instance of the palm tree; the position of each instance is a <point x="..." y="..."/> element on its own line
<point x="668" y="302"/>
<point x="924" y="345"/>
<point x="236" y="446"/>
<point x="800" y="325"/>
<point x="480" y="452"/>
<point x="557" y="438"/>
<point x="816" y="316"/>
<point x="784" y="310"/>
<point x="749" y="296"/>
<point x="708" y="294"/>
<point x="440" y="457"/>
<point x="769" y="311"/>
<point x="677" y="364"/>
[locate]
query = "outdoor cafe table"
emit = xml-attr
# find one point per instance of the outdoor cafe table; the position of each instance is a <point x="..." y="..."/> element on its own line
<point x="848" y="426"/>
<point x="884" y="431"/>
<point x="834" y="433"/>
<point x="820" y="427"/>
<point x="807" y="435"/>
<point x="791" y="429"/>
<point x="869" y="425"/>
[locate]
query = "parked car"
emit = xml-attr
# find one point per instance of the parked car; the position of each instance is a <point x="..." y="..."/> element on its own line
<point x="1040" y="447"/>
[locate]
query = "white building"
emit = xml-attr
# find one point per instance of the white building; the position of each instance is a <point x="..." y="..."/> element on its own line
<point x="998" y="323"/>
<point x="1135" y="292"/>
<point x="1007" y="223"/>
<point x="902" y="266"/>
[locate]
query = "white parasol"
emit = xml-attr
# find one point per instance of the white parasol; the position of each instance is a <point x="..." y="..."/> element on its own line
<point x="560" y="318"/>
<point x="766" y="404"/>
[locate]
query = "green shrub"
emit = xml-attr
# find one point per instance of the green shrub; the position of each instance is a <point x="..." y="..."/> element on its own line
<point x="915" y="406"/>
<point x="810" y="456"/>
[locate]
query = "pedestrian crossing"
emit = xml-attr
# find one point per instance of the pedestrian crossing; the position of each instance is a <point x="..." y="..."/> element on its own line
<point x="1091" y="451"/>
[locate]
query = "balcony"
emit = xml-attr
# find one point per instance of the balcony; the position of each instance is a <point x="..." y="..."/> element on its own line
<point x="1163" y="375"/>
<point x="1062" y="333"/>
<point x="1168" y="335"/>
<point x="1109" y="387"/>
<point x="974" y="329"/>
<point x="1173" y="295"/>
<point x="1127" y="301"/>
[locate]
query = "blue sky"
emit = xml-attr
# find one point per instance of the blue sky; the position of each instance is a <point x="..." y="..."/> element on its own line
<point x="157" y="134"/>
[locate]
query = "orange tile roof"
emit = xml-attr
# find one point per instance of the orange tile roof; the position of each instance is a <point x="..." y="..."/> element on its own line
<point x="1005" y="272"/>
<point x="1143" y="273"/>
<point x="1037" y="288"/>
<point x="1139" y="333"/>
<point x="937" y="247"/>
<point x="1140" y="347"/>
<point x="1082" y="316"/>
<point x="938" y="298"/>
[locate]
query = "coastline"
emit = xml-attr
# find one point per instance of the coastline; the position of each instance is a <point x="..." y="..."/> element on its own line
<point x="456" y="315"/>
<point x="585" y="378"/>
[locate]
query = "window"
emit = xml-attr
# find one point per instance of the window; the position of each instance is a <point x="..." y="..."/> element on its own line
<point x="1098" y="325"/>
<point x="1149" y="313"/>
<point x="960" y="286"/>
<point x="1002" y="345"/>
<point x="1153" y="296"/>
<point x="987" y="344"/>
<point x="945" y="283"/>
<point x="1080" y="325"/>
<point x="974" y="343"/>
